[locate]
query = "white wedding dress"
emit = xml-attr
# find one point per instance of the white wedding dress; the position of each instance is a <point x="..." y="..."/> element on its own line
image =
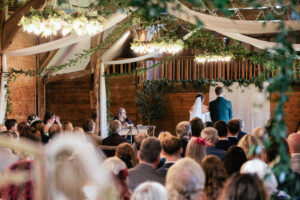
<point x="197" y="111"/>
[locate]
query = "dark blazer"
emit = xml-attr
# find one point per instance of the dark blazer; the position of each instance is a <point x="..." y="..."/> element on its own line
<point x="233" y="140"/>
<point x="240" y="135"/>
<point x="164" y="169"/>
<point x="210" y="150"/>
<point x="223" y="145"/>
<point x="142" y="173"/>
<point x="113" y="140"/>
<point x="220" y="109"/>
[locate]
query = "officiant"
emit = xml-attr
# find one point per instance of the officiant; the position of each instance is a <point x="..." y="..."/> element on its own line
<point x="122" y="117"/>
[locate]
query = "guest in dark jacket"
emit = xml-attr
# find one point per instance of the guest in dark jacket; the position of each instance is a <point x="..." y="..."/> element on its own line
<point x="223" y="142"/>
<point x="234" y="159"/>
<point x="149" y="157"/>
<point x="241" y="133"/>
<point x="114" y="139"/>
<point x="211" y="136"/>
<point x="220" y="108"/>
<point x="171" y="149"/>
<point x="233" y="130"/>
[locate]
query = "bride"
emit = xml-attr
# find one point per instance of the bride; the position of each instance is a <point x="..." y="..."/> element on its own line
<point x="199" y="110"/>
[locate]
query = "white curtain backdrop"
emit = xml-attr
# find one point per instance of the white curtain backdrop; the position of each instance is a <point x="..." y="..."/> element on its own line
<point x="248" y="104"/>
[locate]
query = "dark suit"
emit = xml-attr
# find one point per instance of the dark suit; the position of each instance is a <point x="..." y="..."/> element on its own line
<point x="164" y="169"/>
<point x="240" y="135"/>
<point x="220" y="109"/>
<point x="113" y="140"/>
<point x="295" y="163"/>
<point x="223" y="144"/>
<point x="233" y="140"/>
<point x="210" y="150"/>
<point x="142" y="173"/>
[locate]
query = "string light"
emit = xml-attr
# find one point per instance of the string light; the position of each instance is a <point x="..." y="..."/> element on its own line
<point x="212" y="58"/>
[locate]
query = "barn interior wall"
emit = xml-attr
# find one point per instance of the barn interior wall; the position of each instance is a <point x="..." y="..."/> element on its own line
<point x="23" y="89"/>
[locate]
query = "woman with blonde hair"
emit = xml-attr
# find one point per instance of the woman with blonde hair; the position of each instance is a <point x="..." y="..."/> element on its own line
<point x="67" y="126"/>
<point x="126" y="153"/>
<point x="251" y="146"/>
<point x="150" y="191"/>
<point x="74" y="170"/>
<point x="196" y="149"/>
<point x="119" y="174"/>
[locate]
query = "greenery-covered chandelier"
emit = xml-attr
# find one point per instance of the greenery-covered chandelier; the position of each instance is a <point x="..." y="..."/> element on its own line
<point x="52" y="21"/>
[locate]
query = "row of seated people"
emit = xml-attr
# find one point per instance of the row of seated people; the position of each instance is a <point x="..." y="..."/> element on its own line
<point x="187" y="165"/>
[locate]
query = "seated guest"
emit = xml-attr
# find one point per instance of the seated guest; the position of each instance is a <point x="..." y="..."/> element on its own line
<point x="150" y="190"/>
<point x="31" y="118"/>
<point x="7" y="157"/>
<point x="114" y="139"/>
<point x="260" y="134"/>
<point x="248" y="142"/>
<point x="183" y="132"/>
<point x="234" y="159"/>
<point x="11" y="126"/>
<point x="148" y="161"/>
<point x="243" y="186"/>
<point x="241" y="132"/>
<point x="209" y="124"/>
<point x="215" y="177"/>
<point x="89" y="130"/>
<point x="126" y="153"/>
<point x="118" y="170"/>
<point x="67" y="126"/>
<point x="233" y="131"/>
<point x="185" y="180"/>
<point x="197" y="126"/>
<point x="196" y="149"/>
<point x="161" y="137"/>
<point x="138" y="139"/>
<point x="265" y="174"/>
<point x="222" y="129"/>
<point x="122" y="117"/>
<point x="171" y="148"/>
<point x="2" y="128"/>
<point x="39" y="124"/>
<point x="49" y="120"/>
<point x="54" y="130"/>
<point x="211" y="136"/>
<point x="20" y="126"/>
<point x="294" y="147"/>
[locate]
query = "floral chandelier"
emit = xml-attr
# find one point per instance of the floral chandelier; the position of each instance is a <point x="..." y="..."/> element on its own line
<point x="51" y="22"/>
<point x="168" y="46"/>
<point x="212" y="58"/>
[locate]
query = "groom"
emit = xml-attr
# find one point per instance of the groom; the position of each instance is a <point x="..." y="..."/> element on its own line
<point x="220" y="108"/>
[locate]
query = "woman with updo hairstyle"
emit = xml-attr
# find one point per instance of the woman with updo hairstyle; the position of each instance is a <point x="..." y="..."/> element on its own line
<point x="215" y="177"/>
<point x="243" y="186"/>
<point x="126" y="153"/>
<point x="196" y="149"/>
<point x="67" y="126"/>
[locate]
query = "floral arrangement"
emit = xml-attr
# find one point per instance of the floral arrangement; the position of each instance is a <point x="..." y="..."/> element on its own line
<point x="51" y="21"/>
<point x="212" y="58"/>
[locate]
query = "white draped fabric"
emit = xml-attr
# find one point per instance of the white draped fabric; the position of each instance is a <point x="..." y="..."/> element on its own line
<point x="210" y="22"/>
<point x="248" y="104"/>
<point x="3" y="89"/>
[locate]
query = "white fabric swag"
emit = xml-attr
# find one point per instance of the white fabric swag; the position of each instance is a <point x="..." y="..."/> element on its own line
<point x="248" y="103"/>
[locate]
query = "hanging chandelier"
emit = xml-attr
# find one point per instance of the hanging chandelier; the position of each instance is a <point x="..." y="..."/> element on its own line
<point x="51" y="22"/>
<point x="212" y="58"/>
<point x="164" y="46"/>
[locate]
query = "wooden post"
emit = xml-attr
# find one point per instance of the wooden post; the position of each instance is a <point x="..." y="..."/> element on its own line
<point x="169" y="70"/>
<point x="250" y="70"/>
<point x="178" y="69"/>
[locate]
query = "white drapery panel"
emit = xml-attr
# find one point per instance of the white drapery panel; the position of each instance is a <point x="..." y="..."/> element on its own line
<point x="3" y="90"/>
<point x="248" y="103"/>
<point x="210" y="22"/>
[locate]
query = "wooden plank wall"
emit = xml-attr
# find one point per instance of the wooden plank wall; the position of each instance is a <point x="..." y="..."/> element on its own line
<point x="23" y="89"/>
<point x="292" y="108"/>
<point x="70" y="99"/>
<point x="123" y="93"/>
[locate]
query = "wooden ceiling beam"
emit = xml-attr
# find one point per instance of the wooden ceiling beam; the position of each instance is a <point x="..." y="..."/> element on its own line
<point x="11" y="28"/>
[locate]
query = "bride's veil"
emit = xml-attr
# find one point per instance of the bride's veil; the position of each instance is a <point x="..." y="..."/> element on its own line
<point x="197" y="111"/>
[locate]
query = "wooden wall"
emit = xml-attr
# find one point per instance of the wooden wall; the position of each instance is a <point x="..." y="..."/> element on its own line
<point x="292" y="108"/>
<point x="23" y="90"/>
<point x="123" y="93"/>
<point x="70" y="99"/>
